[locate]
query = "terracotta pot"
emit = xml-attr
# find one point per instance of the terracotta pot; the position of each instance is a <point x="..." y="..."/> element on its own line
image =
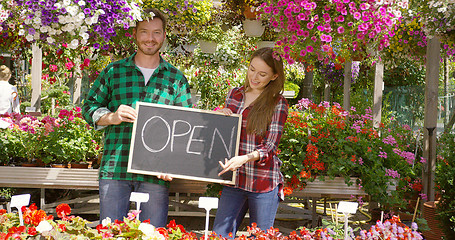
<point x="429" y="214"/>
<point x="79" y="165"/>
<point x="29" y="164"/>
<point x="59" y="165"/>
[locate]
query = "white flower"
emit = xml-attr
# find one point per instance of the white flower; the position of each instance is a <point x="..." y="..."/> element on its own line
<point x="74" y="44"/>
<point x="81" y="3"/>
<point x="43" y="29"/>
<point x="50" y="40"/>
<point x="150" y="232"/>
<point x="29" y="37"/>
<point x="28" y="21"/>
<point x="58" y="5"/>
<point x="21" y="32"/>
<point x="81" y="16"/>
<point x="36" y="36"/>
<point x="44" y="226"/>
<point x="72" y="10"/>
<point x="106" y="221"/>
<point x="146" y="228"/>
<point x="84" y="35"/>
<point x="66" y="2"/>
<point x="62" y="19"/>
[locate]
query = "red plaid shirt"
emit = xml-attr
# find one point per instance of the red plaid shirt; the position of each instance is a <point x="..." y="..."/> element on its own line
<point x="264" y="174"/>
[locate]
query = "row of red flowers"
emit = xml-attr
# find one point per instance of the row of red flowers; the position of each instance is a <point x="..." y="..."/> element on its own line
<point x="38" y="224"/>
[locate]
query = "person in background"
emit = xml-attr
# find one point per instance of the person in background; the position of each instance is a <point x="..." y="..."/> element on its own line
<point x="144" y="76"/>
<point x="259" y="182"/>
<point x="9" y="100"/>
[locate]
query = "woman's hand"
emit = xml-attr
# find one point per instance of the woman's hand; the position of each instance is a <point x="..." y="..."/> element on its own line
<point x="226" y="111"/>
<point x="232" y="164"/>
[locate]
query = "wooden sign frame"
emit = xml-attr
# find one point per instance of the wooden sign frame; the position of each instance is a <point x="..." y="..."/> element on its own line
<point x="183" y="151"/>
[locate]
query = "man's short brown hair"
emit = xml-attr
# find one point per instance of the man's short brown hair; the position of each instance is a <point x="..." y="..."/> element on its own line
<point x="157" y="14"/>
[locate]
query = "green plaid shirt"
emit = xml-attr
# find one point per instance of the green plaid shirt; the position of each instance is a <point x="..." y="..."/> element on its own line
<point x="120" y="83"/>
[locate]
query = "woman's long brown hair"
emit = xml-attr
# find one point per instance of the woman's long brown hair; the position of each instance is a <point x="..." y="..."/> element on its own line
<point x="263" y="107"/>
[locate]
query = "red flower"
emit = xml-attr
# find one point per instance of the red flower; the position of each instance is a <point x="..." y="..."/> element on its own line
<point x="2" y="211"/>
<point x="31" y="231"/>
<point x="63" y="210"/>
<point x="62" y="227"/>
<point x="163" y="232"/>
<point x="172" y="224"/>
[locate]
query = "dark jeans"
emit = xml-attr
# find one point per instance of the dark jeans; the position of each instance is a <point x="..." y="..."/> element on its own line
<point x="234" y="204"/>
<point x="115" y="200"/>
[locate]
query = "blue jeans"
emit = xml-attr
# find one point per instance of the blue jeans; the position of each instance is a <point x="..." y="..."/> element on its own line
<point x="115" y="200"/>
<point x="234" y="204"/>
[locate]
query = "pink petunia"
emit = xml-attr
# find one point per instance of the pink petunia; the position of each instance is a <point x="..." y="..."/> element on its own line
<point x="309" y="49"/>
<point x="357" y="15"/>
<point x="306" y="34"/>
<point x="340" y="30"/>
<point x="325" y="47"/>
<point x="310" y="25"/>
<point x="303" y="52"/>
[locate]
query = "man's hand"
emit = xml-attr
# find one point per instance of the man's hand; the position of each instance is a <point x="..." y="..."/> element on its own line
<point x="124" y="113"/>
<point x="165" y="177"/>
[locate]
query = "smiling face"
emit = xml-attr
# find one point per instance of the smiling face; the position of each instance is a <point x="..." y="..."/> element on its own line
<point x="259" y="75"/>
<point x="149" y="36"/>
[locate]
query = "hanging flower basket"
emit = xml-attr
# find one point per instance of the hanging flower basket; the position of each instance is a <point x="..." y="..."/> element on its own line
<point x="207" y="47"/>
<point x="253" y="28"/>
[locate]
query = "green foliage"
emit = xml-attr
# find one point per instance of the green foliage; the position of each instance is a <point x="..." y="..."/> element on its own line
<point x="210" y="33"/>
<point x="55" y="96"/>
<point x="290" y="86"/>
<point x="445" y="182"/>
<point x="407" y="73"/>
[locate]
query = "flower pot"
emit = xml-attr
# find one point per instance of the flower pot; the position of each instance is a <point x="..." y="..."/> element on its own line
<point x="429" y="214"/>
<point x="207" y="47"/>
<point x="189" y="47"/>
<point x="82" y="165"/>
<point x="253" y="28"/>
<point x="59" y="165"/>
<point x="269" y="44"/>
<point x="26" y="164"/>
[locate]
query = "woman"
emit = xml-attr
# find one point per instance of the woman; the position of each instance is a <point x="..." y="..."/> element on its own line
<point x="259" y="182"/>
<point x="9" y="102"/>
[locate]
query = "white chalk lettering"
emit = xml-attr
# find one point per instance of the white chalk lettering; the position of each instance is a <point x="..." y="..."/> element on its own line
<point x="191" y="139"/>
<point x="168" y="136"/>
<point x="178" y="135"/>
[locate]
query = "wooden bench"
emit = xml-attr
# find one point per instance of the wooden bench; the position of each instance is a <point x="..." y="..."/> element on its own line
<point x="87" y="179"/>
<point x="183" y="191"/>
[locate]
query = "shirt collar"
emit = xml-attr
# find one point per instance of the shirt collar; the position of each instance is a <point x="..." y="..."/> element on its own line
<point x="163" y="64"/>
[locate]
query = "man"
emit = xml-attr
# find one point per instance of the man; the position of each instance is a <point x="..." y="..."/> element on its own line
<point x="146" y="77"/>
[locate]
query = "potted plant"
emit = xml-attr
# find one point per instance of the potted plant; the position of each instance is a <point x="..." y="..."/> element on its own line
<point x="209" y="36"/>
<point x="71" y="138"/>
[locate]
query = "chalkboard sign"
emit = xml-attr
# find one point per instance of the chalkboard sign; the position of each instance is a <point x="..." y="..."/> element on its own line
<point x="183" y="142"/>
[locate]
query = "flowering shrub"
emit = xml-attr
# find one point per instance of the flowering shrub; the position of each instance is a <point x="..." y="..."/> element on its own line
<point x="309" y="29"/>
<point x="325" y="140"/>
<point x="39" y="225"/>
